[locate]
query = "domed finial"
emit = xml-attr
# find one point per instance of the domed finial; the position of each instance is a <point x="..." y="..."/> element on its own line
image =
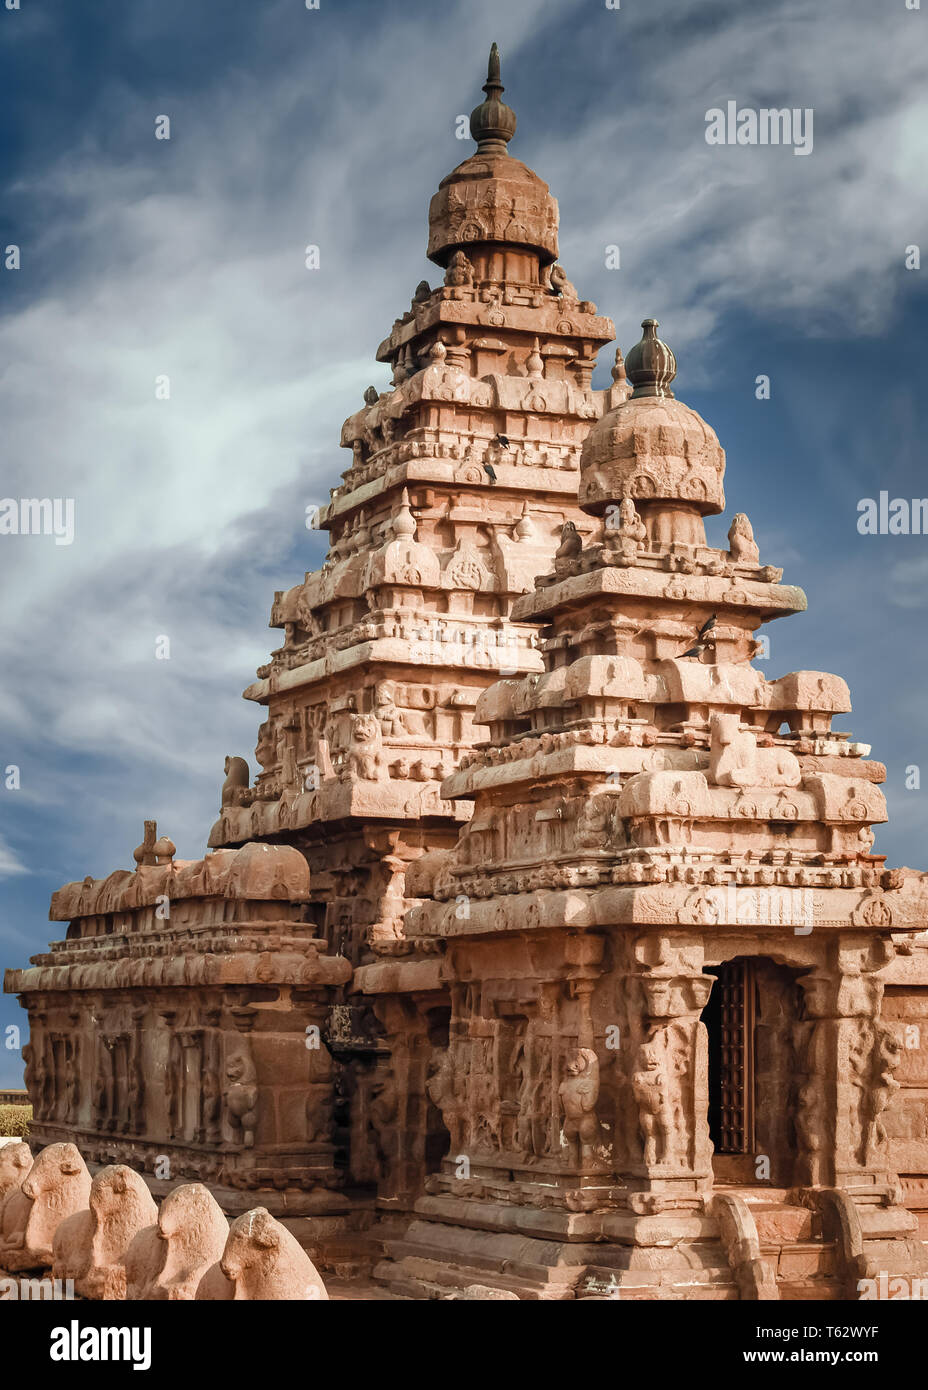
<point x="650" y="366"/>
<point x="492" y="123"/>
<point x="404" y="523"/>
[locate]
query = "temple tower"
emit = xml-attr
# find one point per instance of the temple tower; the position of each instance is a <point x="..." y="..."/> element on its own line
<point x="664" y="927"/>
<point x="462" y="476"/>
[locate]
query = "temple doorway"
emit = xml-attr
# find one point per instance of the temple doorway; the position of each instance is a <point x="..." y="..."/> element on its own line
<point x="753" y="1020"/>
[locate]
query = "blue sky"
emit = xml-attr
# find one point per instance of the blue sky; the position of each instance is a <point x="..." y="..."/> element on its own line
<point x="185" y="257"/>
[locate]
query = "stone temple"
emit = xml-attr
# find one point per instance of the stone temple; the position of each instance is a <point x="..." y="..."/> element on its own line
<point x="546" y="951"/>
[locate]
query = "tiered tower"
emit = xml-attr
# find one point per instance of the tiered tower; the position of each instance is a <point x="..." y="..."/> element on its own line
<point x="462" y="485"/>
<point x="664" y="927"/>
<point x="462" y="477"/>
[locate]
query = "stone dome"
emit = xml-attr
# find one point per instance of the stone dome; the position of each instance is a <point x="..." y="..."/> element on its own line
<point x="492" y="197"/>
<point x="652" y="447"/>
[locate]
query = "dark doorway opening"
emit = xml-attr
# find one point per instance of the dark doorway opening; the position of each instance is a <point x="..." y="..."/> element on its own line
<point x="754" y="1025"/>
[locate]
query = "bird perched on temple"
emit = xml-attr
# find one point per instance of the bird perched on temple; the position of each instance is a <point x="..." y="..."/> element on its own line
<point x="560" y="284"/>
<point x="571" y="542"/>
<point x="705" y="638"/>
<point x="371" y="395"/>
<point x="502" y="441"/>
<point x="490" y="472"/>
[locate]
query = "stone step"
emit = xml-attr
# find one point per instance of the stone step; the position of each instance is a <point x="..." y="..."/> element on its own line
<point x="485" y="1261"/>
<point x="799" y="1259"/>
<point x="877" y="1222"/>
<point x="432" y="1279"/>
<point x="811" y="1289"/>
<point x="696" y="1293"/>
<point x="781" y="1224"/>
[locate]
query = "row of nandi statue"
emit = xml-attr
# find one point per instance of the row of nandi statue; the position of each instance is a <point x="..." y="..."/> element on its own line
<point x="106" y="1238"/>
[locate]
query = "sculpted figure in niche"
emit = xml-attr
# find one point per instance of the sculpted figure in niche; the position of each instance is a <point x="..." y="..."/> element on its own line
<point x="391" y="718"/>
<point x="742" y="546"/>
<point x="654" y="1107"/>
<point x="210" y="1091"/>
<point x="460" y="271"/>
<point x="240" y="1094"/>
<point x="626" y="533"/>
<point x="289" y="767"/>
<point x="265" y="747"/>
<point x="579" y="1093"/>
<point x="533" y="1128"/>
<point x="167" y="1260"/>
<point x="365" y="758"/>
<point x="887" y="1056"/>
<point x="736" y="761"/>
<point x="135" y="1096"/>
<point x="261" y="1260"/>
<point x="91" y="1246"/>
<point x="592" y="824"/>
<point x="444" y="1093"/>
<point x="808" y="1110"/>
<point x="73" y="1089"/>
<point x="568" y="554"/>
<point x="382" y="1112"/>
<point x="571" y="542"/>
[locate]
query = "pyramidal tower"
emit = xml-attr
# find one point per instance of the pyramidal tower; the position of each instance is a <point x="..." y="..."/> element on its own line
<point x="462" y="476"/>
<point x="670" y="1069"/>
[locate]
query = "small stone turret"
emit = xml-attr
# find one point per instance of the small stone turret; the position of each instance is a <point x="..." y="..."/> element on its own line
<point x="655" y="450"/>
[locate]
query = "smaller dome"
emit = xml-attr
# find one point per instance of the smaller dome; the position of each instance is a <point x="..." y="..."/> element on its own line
<point x="652" y="447"/>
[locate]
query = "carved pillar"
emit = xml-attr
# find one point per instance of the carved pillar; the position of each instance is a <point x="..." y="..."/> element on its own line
<point x="406" y="1095"/>
<point x="211" y="1088"/>
<point x="136" y="1074"/>
<point x="106" y="1094"/>
<point x="171" y="1074"/>
<point x="40" y="1090"/>
<point x="191" y="1041"/>
<point x="847" y="1062"/>
<point x="663" y="1105"/>
<point x="74" y="1068"/>
<point x="57" y="1045"/>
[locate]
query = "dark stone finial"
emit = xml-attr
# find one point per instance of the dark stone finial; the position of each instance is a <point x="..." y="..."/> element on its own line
<point x="493" y="123"/>
<point x="650" y="366"/>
